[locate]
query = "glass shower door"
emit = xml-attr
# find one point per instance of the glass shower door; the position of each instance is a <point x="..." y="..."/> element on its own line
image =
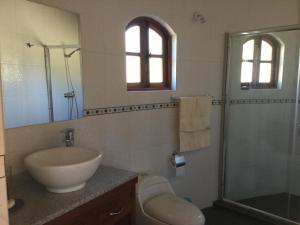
<point x="294" y="166"/>
<point x="262" y="157"/>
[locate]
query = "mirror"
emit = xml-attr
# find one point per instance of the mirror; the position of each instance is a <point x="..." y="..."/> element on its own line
<point x="40" y="65"/>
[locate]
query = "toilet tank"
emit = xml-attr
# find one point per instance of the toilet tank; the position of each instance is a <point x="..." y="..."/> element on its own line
<point x="151" y="186"/>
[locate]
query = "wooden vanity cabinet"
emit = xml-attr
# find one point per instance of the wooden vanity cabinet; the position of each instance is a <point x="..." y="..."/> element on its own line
<point x="116" y="207"/>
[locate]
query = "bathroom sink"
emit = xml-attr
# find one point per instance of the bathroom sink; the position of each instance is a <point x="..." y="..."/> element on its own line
<point x="63" y="169"/>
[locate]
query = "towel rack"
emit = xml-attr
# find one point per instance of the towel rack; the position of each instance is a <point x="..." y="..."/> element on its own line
<point x="177" y="99"/>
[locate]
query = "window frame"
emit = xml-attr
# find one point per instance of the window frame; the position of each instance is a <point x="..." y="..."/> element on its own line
<point x="256" y="61"/>
<point x="145" y="23"/>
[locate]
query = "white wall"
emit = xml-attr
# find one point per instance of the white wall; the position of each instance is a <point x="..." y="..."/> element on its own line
<point x="143" y="141"/>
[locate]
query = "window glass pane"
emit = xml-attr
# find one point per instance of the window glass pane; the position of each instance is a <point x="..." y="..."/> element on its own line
<point x="133" y="69"/>
<point x="132" y="39"/>
<point x="266" y="51"/>
<point x="265" y="73"/>
<point x="156" y="70"/>
<point x="246" y="76"/>
<point x="248" y="50"/>
<point x="155" y="43"/>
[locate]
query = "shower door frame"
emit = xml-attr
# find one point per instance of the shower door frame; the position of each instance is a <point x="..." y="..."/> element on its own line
<point x="222" y="200"/>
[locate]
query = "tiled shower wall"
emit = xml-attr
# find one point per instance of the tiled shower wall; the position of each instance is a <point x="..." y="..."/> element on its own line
<point x="143" y="140"/>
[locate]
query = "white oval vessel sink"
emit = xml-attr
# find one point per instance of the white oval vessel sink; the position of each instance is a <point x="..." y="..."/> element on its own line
<point x="63" y="169"/>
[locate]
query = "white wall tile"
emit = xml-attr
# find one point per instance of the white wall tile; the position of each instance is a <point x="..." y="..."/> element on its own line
<point x="94" y="79"/>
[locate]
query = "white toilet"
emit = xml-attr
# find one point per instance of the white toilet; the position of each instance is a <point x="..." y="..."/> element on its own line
<point x="158" y="204"/>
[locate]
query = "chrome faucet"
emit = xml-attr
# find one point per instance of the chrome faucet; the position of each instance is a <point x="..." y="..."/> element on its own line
<point x="69" y="136"/>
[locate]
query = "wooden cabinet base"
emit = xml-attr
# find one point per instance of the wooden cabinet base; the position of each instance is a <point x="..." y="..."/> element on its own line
<point x="3" y="202"/>
<point x="116" y="207"/>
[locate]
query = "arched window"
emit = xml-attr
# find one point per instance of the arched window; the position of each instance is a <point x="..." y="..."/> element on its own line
<point x="260" y="62"/>
<point x="148" y="55"/>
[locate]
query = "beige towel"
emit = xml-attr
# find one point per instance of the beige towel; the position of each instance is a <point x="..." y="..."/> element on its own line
<point x="194" y="124"/>
<point x="190" y="141"/>
<point x="195" y="113"/>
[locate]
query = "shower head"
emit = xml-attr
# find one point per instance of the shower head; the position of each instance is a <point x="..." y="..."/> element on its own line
<point x="29" y="45"/>
<point x="70" y="54"/>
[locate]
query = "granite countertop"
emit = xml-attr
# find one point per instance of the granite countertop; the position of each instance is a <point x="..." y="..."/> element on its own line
<point x="41" y="206"/>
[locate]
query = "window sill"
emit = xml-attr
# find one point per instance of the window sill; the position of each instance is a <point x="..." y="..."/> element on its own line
<point x="149" y="89"/>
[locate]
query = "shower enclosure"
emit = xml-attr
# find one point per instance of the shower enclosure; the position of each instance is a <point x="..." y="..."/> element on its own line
<point x="65" y="88"/>
<point x="260" y="163"/>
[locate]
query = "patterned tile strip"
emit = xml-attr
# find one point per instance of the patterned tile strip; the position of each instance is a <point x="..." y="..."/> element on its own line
<point x="156" y="106"/>
<point x="261" y="101"/>
<point x="129" y="108"/>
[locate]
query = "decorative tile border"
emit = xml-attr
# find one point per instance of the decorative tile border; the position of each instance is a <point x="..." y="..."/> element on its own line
<point x="157" y="106"/>
<point x="262" y="101"/>
<point x="133" y="108"/>
<point x="128" y="108"/>
<point x="217" y="102"/>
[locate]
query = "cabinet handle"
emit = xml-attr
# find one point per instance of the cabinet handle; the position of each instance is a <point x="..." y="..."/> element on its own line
<point x="116" y="213"/>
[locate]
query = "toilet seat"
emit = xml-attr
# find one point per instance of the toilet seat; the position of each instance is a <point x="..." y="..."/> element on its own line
<point x="172" y="210"/>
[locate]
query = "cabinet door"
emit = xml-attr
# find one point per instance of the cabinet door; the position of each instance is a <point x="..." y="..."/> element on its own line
<point x="118" y="207"/>
<point x="85" y="215"/>
<point x="3" y="202"/>
<point x="85" y="219"/>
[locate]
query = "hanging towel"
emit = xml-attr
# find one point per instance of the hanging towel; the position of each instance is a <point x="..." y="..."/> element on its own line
<point x="194" y="124"/>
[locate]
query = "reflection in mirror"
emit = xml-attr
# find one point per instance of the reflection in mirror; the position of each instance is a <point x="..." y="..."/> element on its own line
<point x="261" y="123"/>
<point x="248" y="50"/>
<point x="41" y="66"/>
<point x="266" y="51"/>
<point x="260" y="62"/>
<point x="66" y="83"/>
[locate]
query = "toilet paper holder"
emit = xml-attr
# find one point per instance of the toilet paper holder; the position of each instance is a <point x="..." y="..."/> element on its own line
<point x="177" y="160"/>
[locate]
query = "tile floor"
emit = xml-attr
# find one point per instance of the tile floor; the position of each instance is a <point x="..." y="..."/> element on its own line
<point x="281" y="204"/>
<point x="221" y="216"/>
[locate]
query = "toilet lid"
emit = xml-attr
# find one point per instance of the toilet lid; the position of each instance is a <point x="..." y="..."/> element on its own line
<point x="172" y="210"/>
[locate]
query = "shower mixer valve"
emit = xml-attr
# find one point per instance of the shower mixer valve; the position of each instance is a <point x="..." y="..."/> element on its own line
<point x="69" y="136"/>
<point x="70" y="94"/>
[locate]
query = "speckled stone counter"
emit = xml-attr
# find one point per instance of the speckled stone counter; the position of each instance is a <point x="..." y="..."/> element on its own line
<point x="41" y="206"/>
